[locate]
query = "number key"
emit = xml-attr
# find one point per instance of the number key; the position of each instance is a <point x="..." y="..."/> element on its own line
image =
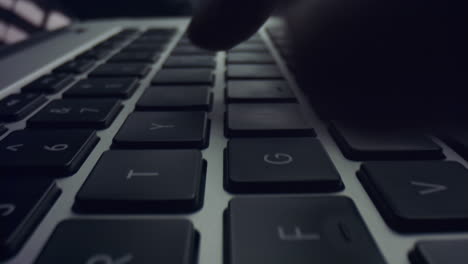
<point x="45" y="152"/>
<point x="75" y="113"/>
<point x="49" y="84"/>
<point x="106" y="87"/>
<point x="17" y="106"/>
<point x="23" y="203"/>
<point x="120" y="70"/>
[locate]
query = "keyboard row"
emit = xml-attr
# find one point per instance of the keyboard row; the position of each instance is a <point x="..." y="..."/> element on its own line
<point x="326" y="230"/>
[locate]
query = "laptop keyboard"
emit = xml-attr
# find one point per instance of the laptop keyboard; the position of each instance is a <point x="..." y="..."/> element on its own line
<point x="155" y="163"/>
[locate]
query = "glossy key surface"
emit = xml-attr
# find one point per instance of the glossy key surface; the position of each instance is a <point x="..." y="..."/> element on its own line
<point x="153" y="130"/>
<point x="175" y="98"/>
<point x="77" y="113"/>
<point x="45" y="153"/>
<point x="279" y="165"/>
<point x="17" y="106"/>
<point x="24" y="201"/>
<point x="418" y="196"/>
<point x="144" y="181"/>
<point x="183" y="77"/>
<point x="266" y="120"/>
<point x="121" y="242"/>
<point x="103" y="87"/>
<point x="300" y="230"/>
<point x="440" y="252"/>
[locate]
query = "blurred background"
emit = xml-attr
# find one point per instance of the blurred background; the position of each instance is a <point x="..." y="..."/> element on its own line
<point x="20" y="19"/>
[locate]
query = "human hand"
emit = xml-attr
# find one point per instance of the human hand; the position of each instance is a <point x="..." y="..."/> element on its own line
<point x="370" y="58"/>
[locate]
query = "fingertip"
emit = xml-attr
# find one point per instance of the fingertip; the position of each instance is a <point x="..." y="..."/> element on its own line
<point x="222" y="24"/>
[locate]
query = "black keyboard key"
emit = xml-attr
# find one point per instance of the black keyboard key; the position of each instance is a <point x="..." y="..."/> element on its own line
<point x="191" y="50"/>
<point x="299" y="230"/>
<point x="77" y="113"/>
<point x="259" y="91"/>
<point x="95" y="54"/>
<point x="103" y="87"/>
<point x="416" y="196"/>
<point x="174" y="98"/>
<point x="250" y="47"/>
<point x="129" y="32"/>
<point x="24" y="201"/>
<point x="45" y="153"/>
<point x="253" y="71"/>
<point x="152" y="39"/>
<point x="440" y="252"/>
<point x="121" y="242"/>
<point x="148" y="130"/>
<point x="140" y="56"/>
<point x="148" y="47"/>
<point x="76" y="66"/>
<point x="17" y="106"/>
<point x="121" y="70"/>
<point x="373" y="142"/>
<point x="128" y="173"/>
<point x="184" y="77"/>
<point x="190" y="62"/>
<point x="281" y="165"/>
<point x="266" y="120"/>
<point x="249" y="57"/>
<point x="49" y="84"/>
<point x="167" y="32"/>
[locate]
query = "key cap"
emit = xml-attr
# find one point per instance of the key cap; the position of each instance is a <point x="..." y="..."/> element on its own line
<point x="104" y="87"/>
<point x="190" y="50"/>
<point x="109" y="45"/>
<point x="49" y="153"/>
<point x="259" y="91"/>
<point x="140" y="56"/>
<point x="190" y="61"/>
<point x="418" y="196"/>
<point x="49" y="84"/>
<point x="174" y="98"/>
<point x="76" y="66"/>
<point x="121" y="242"/>
<point x="164" y="130"/>
<point x="249" y="58"/>
<point x="266" y="120"/>
<point x="155" y="39"/>
<point x="374" y="142"/>
<point x="280" y="165"/>
<point x="250" y="47"/>
<point x="24" y="201"/>
<point x="95" y="54"/>
<point x="129" y="173"/>
<point x="77" y="113"/>
<point x="253" y="71"/>
<point x="17" y="106"/>
<point x="440" y="252"/>
<point x="299" y="230"/>
<point x="121" y="70"/>
<point x="184" y="77"/>
<point x="167" y="32"/>
<point x="148" y="47"/>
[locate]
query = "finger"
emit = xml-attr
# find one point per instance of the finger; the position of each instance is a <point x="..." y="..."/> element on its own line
<point x="221" y="24"/>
